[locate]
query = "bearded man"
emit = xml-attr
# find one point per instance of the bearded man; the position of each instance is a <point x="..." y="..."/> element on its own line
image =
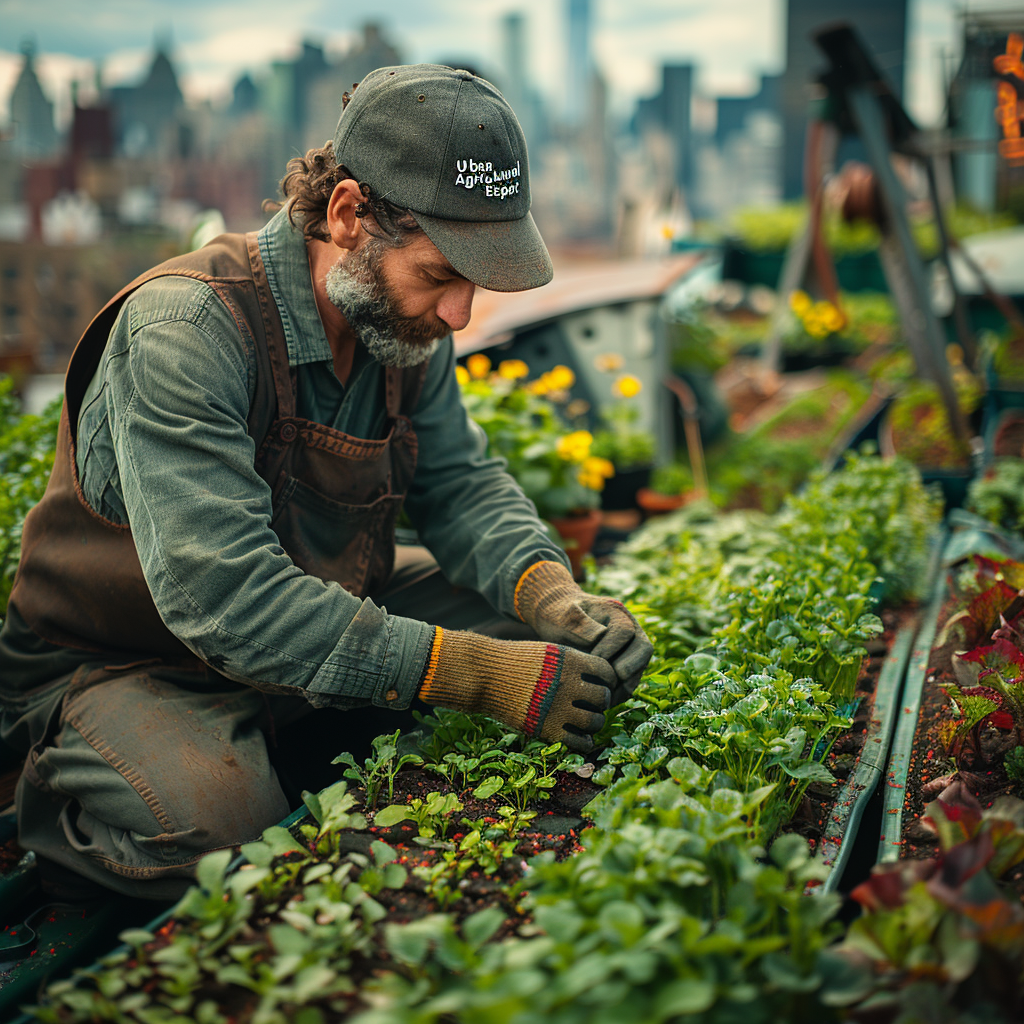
<point x="214" y="557"/>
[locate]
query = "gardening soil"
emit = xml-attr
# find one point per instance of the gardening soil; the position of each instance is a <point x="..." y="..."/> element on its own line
<point x="557" y="827"/>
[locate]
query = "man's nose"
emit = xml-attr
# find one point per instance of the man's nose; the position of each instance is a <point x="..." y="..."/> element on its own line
<point x="456" y="305"/>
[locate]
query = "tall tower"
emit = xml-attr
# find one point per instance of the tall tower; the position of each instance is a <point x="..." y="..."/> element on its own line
<point x="580" y="62"/>
<point x="513" y="53"/>
<point x="35" y="136"/>
<point x="883" y="26"/>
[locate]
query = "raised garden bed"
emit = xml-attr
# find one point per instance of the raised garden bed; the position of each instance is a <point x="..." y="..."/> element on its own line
<point x="945" y="736"/>
<point x="666" y="902"/>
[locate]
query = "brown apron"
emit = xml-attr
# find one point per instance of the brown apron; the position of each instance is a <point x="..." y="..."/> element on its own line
<point x="335" y="497"/>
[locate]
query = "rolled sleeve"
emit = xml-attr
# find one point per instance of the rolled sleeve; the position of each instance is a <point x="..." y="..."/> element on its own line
<point x="177" y="376"/>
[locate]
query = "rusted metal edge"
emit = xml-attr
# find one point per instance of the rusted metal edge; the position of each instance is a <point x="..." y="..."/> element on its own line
<point x="894" y="790"/>
<point x="838" y="841"/>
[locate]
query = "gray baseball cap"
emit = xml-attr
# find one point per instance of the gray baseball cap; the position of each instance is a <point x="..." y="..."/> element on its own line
<point x="445" y="145"/>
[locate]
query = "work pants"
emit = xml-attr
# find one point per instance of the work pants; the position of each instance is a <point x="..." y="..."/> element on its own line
<point x="134" y="771"/>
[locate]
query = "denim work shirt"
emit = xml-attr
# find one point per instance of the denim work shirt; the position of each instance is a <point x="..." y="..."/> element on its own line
<point x="163" y="446"/>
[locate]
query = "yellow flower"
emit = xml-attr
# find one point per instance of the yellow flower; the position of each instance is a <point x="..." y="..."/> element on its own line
<point x="598" y="467"/>
<point x="479" y="365"/>
<point x="800" y="302"/>
<point x="815" y="327"/>
<point x="539" y="386"/>
<point x="609" y="362"/>
<point x="575" y="447"/>
<point x="833" y="319"/>
<point x="512" y="369"/>
<point x="462" y="375"/>
<point x="592" y="481"/>
<point x="627" y="386"/>
<point x="561" y="378"/>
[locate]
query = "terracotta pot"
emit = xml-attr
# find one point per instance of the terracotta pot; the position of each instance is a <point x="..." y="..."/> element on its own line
<point x="579" y="532"/>
<point x="655" y="503"/>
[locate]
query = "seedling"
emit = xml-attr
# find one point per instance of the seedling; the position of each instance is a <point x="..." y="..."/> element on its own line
<point x="430" y="815"/>
<point x="381" y="767"/>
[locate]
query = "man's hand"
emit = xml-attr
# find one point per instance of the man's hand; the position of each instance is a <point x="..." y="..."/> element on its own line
<point x="549" y="600"/>
<point x="543" y="689"/>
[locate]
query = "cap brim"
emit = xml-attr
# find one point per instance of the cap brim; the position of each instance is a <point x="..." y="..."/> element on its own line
<point x="502" y="256"/>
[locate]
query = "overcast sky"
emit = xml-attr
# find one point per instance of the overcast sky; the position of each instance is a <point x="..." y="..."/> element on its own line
<point x="214" y="41"/>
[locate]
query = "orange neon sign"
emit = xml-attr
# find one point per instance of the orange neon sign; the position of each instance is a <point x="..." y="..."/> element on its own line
<point x="1009" y="109"/>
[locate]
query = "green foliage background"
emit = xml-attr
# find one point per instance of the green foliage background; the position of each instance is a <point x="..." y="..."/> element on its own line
<point x="27" y="444"/>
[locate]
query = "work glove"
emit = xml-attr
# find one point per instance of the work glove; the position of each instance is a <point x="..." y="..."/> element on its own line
<point x="541" y="689"/>
<point x="548" y="599"/>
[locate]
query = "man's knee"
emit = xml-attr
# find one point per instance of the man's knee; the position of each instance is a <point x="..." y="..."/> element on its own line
<point x="146" y="775"/>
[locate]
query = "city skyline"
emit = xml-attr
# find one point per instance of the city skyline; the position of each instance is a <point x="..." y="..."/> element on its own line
<point x="731" y="42"/>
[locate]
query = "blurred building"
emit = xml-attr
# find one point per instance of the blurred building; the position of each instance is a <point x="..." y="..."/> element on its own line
<point x="323" y="96"/>
<point x="883" y="26"/>
<point x="579" y="62"/>
<point x="574" y="170"/>
<point x="515" y="82"/>
<point x="33" y="135"/>
<point x="146" y="115"/>
<point x="984" y="178"/>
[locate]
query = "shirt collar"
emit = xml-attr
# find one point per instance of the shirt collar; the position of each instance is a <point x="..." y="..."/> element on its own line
<point x="283" y="250"/>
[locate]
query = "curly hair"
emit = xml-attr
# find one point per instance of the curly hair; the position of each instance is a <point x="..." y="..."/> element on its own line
<point x="308" y="184"/>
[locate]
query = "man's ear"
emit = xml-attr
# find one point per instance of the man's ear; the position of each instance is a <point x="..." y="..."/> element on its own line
<point x="342" y="222"/>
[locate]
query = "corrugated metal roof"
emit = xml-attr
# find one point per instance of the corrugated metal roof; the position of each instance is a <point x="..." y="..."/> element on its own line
<point x="498" y="315"/>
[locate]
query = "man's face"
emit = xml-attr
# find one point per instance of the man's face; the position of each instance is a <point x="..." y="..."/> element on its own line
<point x="399" y="302"/>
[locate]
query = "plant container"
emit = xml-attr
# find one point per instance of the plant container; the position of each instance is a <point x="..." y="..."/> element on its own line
<point x="920" y="765"/>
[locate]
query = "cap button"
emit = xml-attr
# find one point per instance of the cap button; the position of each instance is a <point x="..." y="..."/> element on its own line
<point x="465" y="76"/>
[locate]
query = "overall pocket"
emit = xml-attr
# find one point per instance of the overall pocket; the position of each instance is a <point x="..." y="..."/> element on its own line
<point x="353" y="545"/>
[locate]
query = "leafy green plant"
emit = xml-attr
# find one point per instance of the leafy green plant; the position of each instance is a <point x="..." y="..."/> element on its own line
<point x="998" y="494"/>
<point x="27" y="446"/>
<point x="483" y="847"/>
<point x="921" y="430"/>
<point x="666" y="908"/>
<point x="762" y="467"/>
<point x="620" y="440"/>
<point x="939" y="936"/>
<point x="672" y="906"/>
<point x="276" y="941"/>
<point x="1004" y="351"/>
<point x="1014" y="765"/>
<point x="431" y="814"/>
<point x="333" y="810"/>
<point x="381" y="767"/>
<point x="672" y="479"/>
<point x="526" y="777"/>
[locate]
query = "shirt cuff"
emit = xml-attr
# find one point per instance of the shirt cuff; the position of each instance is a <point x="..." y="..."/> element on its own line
<point x="380" y="660"/>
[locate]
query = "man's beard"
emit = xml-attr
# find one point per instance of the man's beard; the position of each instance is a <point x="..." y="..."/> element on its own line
<point x="357" y="287"/>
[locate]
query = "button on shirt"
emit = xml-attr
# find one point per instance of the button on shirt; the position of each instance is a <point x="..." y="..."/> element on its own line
<point x="163" y="446"/>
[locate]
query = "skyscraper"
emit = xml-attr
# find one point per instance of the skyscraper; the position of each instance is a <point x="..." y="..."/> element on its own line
<point x="883" y="26"/>
<point x="515" y="86"/>
<point x="580" y="62"/>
